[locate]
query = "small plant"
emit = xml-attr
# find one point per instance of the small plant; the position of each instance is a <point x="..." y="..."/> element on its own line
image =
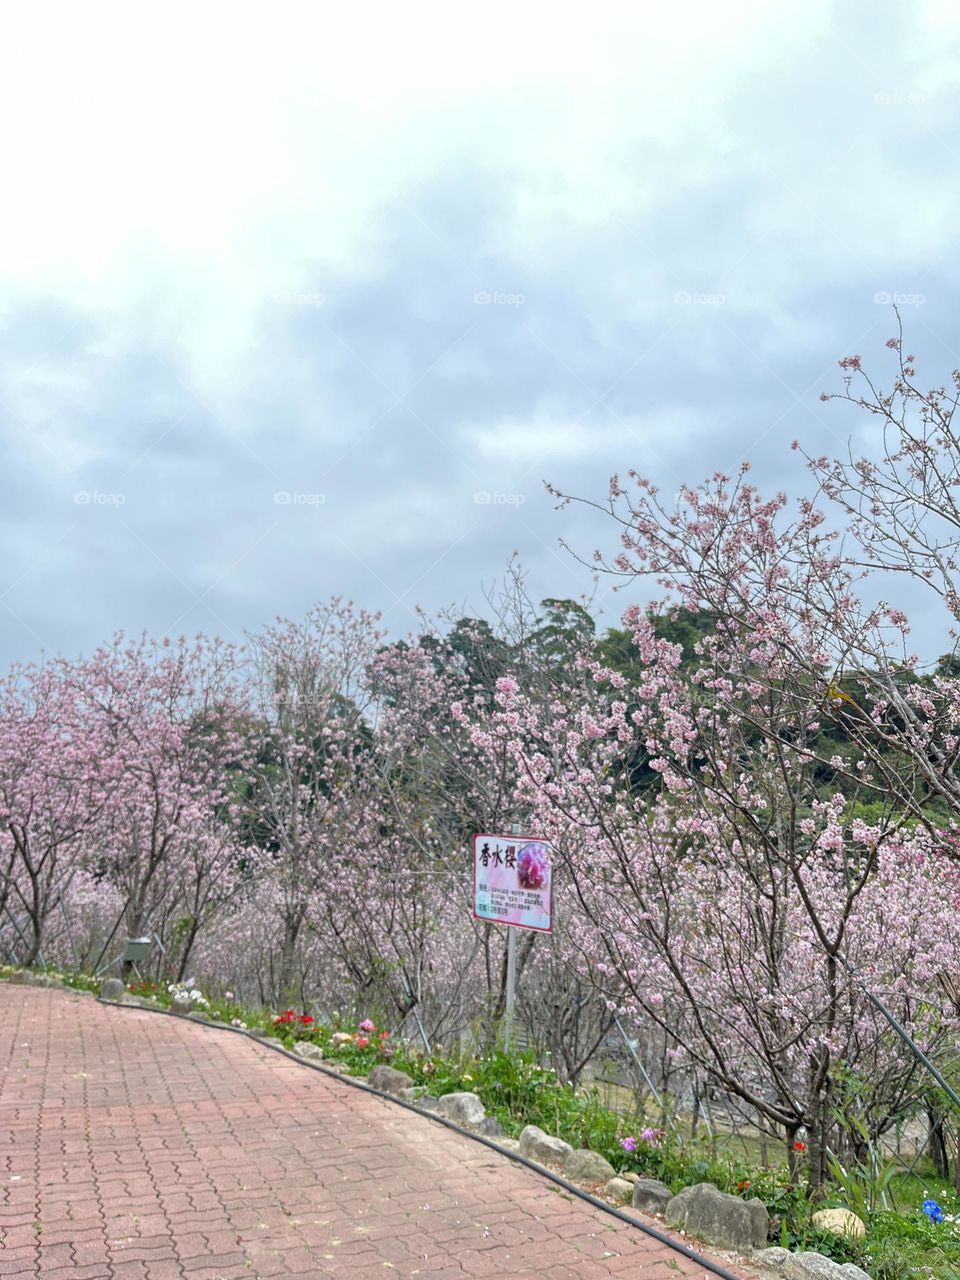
<point x="185" y="991"/>
<point x="146" y="988"/>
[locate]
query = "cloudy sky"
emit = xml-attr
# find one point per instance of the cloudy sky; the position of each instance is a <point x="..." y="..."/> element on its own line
<point x="308" y="300"/>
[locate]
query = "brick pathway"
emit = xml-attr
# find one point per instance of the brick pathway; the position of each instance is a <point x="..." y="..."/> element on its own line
<point x="138" y="1147"/>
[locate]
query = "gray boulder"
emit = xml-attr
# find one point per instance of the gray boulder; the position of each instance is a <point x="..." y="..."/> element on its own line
<point x="537" y="1145"/>
<point x="650" y="1195"/>
<point x="618" y="1190"/>
<point x="112" y="989"/>
<point x="773" y="1258"/>
<point x="426" y="1102"/>
<point x="509" y="1144"/>
<point x="181" y="1005"/>
<point x="388" y="1079"/>
<point x="490" y="1127"/>
<point x="814" y="1266"/>
<point x="587" y="1167"/>
<point x="461" y="1108"/>
<point x="305" y="1049"/>
<point x="724" y="1220"/>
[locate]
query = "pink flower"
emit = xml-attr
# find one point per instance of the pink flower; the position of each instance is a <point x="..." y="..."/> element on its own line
<point x="628" y="1144"/>
<point x="532" y="866"/>
<point x="367" y="1025"/>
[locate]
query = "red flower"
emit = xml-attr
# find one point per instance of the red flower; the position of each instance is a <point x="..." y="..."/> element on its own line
<point x="362" y="1042"/>
<point x="306" y="1019"/>
<point x="799" y="1146"/>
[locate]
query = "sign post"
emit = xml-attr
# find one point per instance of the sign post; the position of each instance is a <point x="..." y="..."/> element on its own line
<point x="513" y="886"/>
<point x="511" y="973"/>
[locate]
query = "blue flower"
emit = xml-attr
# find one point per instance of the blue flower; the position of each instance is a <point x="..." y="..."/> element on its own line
<point x="932" y="1210"/>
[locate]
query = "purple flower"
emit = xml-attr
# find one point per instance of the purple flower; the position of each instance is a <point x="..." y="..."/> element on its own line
<point x="628" y="1144"/>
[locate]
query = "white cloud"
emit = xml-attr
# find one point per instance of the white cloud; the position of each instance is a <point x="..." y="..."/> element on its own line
<point x="549" y="439"/>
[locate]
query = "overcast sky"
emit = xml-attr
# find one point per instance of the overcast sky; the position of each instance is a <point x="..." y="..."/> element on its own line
<point x="287" y="291"/>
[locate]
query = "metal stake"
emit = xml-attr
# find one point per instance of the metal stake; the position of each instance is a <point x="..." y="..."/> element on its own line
<point x="633" y="1054"/>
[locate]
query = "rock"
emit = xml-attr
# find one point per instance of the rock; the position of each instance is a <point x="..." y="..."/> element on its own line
<point x="509" y="1144"/>
<point x="305" y="1049"/>
<point x="772" y="1258"/>
<point x="275" y="1041"/>
<point x="619" y="1190"/>
<point x="138" y="1002"/>
<point x="814" y="1266"/>
<point x="537" y="1145"/>
<point x="490" y="1127"/>
<point x="461" y="1108"/>
<point x="388" y="1079"/>
<point x="629" y="1176"/>
<point x="650" y="1195"/>
<point x="258" y="1033"/>
<point x="25" y="978"/>
<point x="840" y="1222"/>
<point x="718" y="1218"/>
<point x="112" y="989"/>
<point x="181" y="1004"/>
<point x="427" y="1102"/>
<point x="587" y="1167"/>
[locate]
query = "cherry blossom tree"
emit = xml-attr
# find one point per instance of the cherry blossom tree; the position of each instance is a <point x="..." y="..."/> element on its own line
<point x="167" y="716"/>
<point x="56" y="777"/>
<point x="308" y="701"/>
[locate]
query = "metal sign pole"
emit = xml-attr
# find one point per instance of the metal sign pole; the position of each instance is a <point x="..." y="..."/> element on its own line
<point x="508" y="1021"/>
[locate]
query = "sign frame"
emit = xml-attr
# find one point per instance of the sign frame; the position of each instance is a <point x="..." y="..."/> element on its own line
<point x="519" y="841"/>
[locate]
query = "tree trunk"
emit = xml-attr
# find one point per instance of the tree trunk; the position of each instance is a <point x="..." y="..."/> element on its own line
<point x="937" y="1142"/>
<point x="292" y="924"/>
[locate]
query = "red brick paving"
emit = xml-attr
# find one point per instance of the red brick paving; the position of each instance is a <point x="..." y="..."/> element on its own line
<point x="138" y="1147"/>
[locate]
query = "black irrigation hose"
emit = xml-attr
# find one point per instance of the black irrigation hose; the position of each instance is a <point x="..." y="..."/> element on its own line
<point x="572" y="1188"/>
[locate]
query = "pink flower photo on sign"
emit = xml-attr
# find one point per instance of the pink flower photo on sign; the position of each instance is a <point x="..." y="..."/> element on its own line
<point x="512" y="882"/>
